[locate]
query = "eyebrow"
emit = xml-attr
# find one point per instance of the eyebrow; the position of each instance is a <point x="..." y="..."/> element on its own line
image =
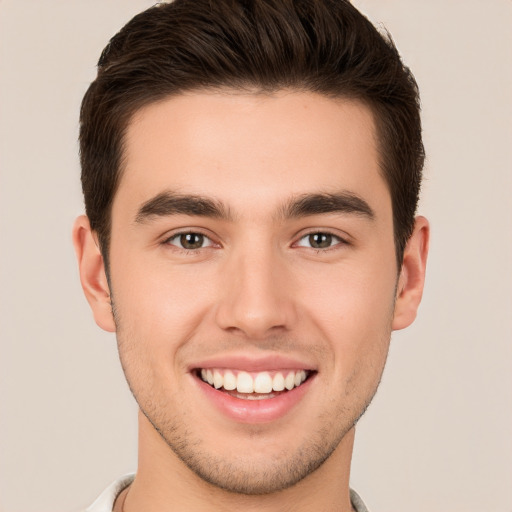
<point x="315" y="204"/>
<point x="169" y="203"/>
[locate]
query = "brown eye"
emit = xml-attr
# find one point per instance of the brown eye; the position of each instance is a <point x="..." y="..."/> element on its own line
<point x="190" y="241"/>
<point x="320" y="240"/>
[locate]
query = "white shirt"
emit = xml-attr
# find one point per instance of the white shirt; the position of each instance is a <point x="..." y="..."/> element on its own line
<point x="105" y="501"/>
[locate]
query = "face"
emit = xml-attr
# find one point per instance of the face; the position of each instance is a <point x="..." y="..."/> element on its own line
<point x="252" y="247"/>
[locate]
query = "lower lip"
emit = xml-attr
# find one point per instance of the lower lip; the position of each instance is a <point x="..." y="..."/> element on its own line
<point x="255" y="411"/>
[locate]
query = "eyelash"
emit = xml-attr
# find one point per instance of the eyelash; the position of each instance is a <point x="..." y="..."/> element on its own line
<point x="179" y="235"/>
<point x="339" y="241"/>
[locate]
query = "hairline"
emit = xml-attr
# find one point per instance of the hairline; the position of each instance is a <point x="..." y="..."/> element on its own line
<point x="137" y="106"/>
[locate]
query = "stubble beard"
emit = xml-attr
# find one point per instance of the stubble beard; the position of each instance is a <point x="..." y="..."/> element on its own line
<point x="243" y="474"/>
<point x="248" y="474"/>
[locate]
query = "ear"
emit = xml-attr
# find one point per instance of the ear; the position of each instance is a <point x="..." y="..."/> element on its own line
<point x="92" y="273"/>
<point x="412" y="275"/>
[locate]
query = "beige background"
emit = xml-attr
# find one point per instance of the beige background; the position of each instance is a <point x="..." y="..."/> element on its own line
<point x="438" y="437"/>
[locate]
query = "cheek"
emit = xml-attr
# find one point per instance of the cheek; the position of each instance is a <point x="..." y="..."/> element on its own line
<point x="353" y="310"/>
<point x="158" y="304"/>
<point x="157" y="312"/>
<point x="357" y="299"/>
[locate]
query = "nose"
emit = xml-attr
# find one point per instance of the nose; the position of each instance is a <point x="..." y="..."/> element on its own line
<point x="257" y="299"/>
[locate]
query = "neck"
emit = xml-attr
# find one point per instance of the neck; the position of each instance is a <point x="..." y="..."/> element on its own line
<point x="165" y="484"/>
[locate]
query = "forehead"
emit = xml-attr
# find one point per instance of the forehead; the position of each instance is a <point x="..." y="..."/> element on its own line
<point x="251" y="149"/>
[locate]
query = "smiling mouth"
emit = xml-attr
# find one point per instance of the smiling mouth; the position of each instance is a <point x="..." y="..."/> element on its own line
<point x="254" y="385"/>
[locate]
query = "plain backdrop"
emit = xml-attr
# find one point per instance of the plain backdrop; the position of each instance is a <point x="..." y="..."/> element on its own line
<point x="438" y="436"/>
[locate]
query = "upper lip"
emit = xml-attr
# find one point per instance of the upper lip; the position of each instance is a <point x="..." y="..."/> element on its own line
<point x="254" y="363"/>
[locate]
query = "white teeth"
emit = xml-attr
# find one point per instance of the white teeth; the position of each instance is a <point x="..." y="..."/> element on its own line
<point x="229" y="381"/>
<point x="263" y="383"/>
<point x="244" y="383"/>
<point x="278" y="382"/>
<point x="300" y="377"/>
<point x="289" y="381"/>
<point x="218" y="380"/>
<point x="260" y="383"/>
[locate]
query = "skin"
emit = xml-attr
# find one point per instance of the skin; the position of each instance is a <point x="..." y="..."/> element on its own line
<point x="256" y="287"/>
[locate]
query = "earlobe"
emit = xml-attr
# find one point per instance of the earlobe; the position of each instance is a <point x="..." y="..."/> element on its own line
<point x="412" y="275"/>
<point x="92" y="273"/>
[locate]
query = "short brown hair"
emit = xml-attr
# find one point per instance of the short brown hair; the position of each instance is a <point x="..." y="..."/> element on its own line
<point x="322" y="46"/>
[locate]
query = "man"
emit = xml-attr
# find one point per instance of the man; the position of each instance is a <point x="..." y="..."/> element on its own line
<point x="251" y="172"/>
